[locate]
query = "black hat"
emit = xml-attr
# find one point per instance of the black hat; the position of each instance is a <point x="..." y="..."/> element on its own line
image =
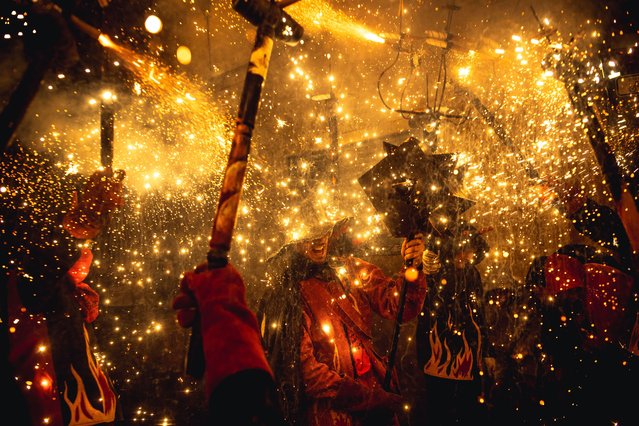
<point x="410" y="188"/>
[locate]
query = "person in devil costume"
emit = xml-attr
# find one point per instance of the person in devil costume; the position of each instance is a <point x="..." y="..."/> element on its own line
<point x="451" y="338"/>
<point x="49" y="364"/>
<point x="316" y="318"/>
<point x="239" y="383"/>
<point x="587" y="301"/>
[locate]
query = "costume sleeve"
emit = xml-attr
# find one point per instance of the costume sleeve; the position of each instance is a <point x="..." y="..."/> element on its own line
<point x="384" y="292"/>
<point x="231" y="338"/>
<point x="321" y="382"/>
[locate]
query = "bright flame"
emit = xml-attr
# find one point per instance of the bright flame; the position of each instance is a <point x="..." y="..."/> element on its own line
<point x="320" y="14"/>
<point x="463" y="72"/>
<point x="372" y="37"/>
<point x="105" y="40"/>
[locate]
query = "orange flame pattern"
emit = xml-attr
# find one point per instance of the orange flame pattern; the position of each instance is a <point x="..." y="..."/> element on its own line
<point x="634" y="338"/>
<point x="443" y="363"/>
<point x="82" y="411"/>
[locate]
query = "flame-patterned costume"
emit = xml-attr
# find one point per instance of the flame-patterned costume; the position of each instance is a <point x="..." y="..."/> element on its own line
<point x="452" y="326"/>
<point x="50" y="351"/>
<point x="52" y="374"/>
<point x="450" y="340"/>
<point x="451" y="335"/>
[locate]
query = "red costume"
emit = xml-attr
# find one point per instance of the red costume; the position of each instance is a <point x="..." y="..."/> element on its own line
<point x="607" y="294"/>
<point x="238" y="380"/>
<point x="51" y="354"/>
<point x="48" y="361"/>
<point x="342" y="374"/>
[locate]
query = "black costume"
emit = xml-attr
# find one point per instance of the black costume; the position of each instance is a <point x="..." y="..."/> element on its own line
<point x="451" y="338"/>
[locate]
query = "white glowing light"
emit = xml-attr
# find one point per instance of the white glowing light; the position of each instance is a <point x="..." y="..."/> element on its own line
<point x="153" y="24"/>
<point x="108" y="95"/>
<point x="105" y="40"/>
<point x="372" y="37"/>
<point x="326" y="328"/>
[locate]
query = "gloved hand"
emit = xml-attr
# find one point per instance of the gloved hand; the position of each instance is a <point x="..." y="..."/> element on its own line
<point x="413" y="249"/>
<point x="89" y="211"/>
<point x="230" y="333"/>
<point x="431" y="262"/>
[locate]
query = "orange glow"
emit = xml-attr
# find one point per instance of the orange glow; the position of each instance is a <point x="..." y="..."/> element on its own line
<point x="411" y="274"/>
<point x="105" y="41"/>
<point x="321" y="15"/>
<point x="45" y="384"/>
<point x="44" y="381"/>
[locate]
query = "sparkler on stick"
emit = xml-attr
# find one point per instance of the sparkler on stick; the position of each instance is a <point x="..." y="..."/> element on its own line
<point x="322" y="15"/>
<point x="174" y="94"/>
<point x="272" y="22"/>
<point x="409" y="188"/>
<point x="53" y="36"/>
<point x="570" y="67"/>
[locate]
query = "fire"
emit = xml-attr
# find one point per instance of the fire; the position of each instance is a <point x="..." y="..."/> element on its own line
<point x="105" y="41"/>
<point x="204" y="137"/>
<point x="320" y="14"/>
<point x="367" y="35"/>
